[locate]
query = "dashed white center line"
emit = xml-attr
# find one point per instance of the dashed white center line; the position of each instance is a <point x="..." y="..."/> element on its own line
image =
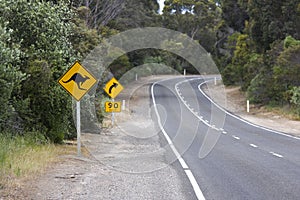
<point x="224" y="132"/>
<point x="188" y="172"/>
<point x="235" y="137"/>
<point x="253" y="145"/>
<point x="276" y="154"/>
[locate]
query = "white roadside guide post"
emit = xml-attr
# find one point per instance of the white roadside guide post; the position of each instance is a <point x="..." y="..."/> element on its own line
<point x="248" y="106"/>
<point x="184" y="72"/>
<point x="123" y="105"/>
<point x="215" y="80"/>
<point x="69" y="81"/>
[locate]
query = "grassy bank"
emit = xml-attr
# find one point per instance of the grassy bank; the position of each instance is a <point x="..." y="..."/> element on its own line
<point x="285" y="111"/>
<point x="25" y="156"/>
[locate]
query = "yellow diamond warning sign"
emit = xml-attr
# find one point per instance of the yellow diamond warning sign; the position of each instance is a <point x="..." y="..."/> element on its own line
<point x="113" y="88"/>
<point x="77" y="81"/>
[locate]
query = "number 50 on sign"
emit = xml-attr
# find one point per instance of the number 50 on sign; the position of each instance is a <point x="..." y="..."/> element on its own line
<point x="111" y="106"/>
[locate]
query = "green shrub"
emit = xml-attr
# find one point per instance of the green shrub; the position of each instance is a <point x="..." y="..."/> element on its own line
<point x="295" y="98"/>
<point x="229" y="75"/>
<point x="260" y="90"/>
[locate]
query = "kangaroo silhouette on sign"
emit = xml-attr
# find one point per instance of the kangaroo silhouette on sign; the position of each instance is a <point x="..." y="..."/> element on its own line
<point x="78" y="79"/>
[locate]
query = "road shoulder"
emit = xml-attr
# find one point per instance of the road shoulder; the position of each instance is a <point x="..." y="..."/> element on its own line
<point x="236" y="104"/>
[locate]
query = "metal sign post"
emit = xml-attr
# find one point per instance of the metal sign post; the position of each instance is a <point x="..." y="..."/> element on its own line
<point x="113" y="116"/>
<point x="78" y="128"/>
<point x="77" y="81"/>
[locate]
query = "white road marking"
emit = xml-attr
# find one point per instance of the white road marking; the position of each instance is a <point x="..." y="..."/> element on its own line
<point x="238" y="118"/>
<point x="194" y="183"/>
<point x="232" y="115"/>
<point x="253" y="145"/>
<point x="276" y="154"/>
<point x="236" y="137"/>
<point x="188" y="172"/>
<point x="206" y="122"/>
<point x="183" y="164"/>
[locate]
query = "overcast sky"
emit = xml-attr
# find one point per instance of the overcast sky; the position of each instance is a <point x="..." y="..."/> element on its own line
<point x="161" y="5"/>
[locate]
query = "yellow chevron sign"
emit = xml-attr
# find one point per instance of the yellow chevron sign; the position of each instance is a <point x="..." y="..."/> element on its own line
<point x="113" y="88"/>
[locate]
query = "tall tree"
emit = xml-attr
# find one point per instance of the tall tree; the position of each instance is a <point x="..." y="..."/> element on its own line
<point x="100" y="12"/>
<point x="234" y="14"/>
<point x="270" y="21"/>
<point x="10" y="77"/>
<point x="136" y="14"/>
<point x="195" y="18"/>
<point x="42" y="30"/>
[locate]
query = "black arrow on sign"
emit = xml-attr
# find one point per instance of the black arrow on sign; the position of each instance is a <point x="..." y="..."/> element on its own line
<point x="114" y="85"/>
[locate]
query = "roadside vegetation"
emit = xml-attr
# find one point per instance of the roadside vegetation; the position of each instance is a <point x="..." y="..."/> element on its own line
<point x="24" y="156"/>
<point x="261" y="51"/>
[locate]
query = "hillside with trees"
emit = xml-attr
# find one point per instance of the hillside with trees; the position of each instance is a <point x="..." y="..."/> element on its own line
<point x="261" y="50"/>
<point x="255" y="44"/>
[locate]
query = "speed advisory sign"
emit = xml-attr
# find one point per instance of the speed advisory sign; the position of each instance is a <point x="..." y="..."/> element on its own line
<point x="111" y="106"/>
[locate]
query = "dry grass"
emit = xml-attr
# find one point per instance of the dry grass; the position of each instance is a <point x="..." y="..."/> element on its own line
<point x="284" y="111"/>
<point x="20" y="158"/>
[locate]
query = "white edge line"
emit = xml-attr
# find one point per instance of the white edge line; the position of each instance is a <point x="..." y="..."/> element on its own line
<point x="238" y="118"/>
<point x="183" y="164"/>
<point x="194" y="183"/>
<point x="206" y="122"/>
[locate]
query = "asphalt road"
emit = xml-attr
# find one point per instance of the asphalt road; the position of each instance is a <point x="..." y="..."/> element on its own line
<point x="247" y="162"/>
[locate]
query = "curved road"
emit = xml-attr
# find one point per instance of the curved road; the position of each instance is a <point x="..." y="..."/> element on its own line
<point x="247" y="162"/>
